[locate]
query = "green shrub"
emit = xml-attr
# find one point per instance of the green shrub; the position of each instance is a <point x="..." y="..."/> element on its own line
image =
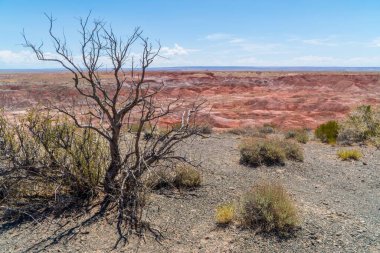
<point x="349" y="154"/>
<point x="225" y="213"/>
<point x="362" y="125"/>
<point x="268" y="207"/>
<point x="328" y="132"/>
<point x="256" y="152"/>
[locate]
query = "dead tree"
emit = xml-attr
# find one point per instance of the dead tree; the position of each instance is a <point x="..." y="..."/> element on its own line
<point x="120" y="109"/>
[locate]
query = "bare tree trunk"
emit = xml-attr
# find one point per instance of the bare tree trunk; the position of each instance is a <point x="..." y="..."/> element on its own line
<point x="115" y="165"/>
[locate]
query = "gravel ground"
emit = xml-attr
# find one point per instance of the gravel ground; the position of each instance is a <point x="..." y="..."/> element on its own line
<point x="339" y="204"/>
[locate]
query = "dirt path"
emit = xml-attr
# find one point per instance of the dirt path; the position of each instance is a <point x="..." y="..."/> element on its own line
<point x="339" y="204"/>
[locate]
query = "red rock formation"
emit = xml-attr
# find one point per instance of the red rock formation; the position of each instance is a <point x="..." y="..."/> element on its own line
<point x="237" y="98"/>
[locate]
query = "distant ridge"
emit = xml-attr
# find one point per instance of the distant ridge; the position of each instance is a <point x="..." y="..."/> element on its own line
<point x="221" y="68"/>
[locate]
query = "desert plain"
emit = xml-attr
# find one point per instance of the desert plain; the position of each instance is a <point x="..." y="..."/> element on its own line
<point x="338" y="201"/>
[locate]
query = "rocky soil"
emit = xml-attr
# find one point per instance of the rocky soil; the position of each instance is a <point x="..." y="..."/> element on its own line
<point x="339" y="204"/>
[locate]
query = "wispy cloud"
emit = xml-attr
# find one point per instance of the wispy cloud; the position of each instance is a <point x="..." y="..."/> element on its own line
<point x="321" y="42"/>
<point x="375" y="42"/>
<point x="219" y="36"/>
<point x="11" y="57"/>
<point x="313" y="59"/>
<point x="176" y="50"/>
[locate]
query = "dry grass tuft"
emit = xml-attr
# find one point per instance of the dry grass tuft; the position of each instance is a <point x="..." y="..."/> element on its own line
<point x="187" y="176"/>
<point x="225" y="213"/>
<point x="268" y="207"/>
<point x="349" y="154"/>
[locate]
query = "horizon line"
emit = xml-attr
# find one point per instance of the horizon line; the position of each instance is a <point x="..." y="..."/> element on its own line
<point x="215" y="68"/>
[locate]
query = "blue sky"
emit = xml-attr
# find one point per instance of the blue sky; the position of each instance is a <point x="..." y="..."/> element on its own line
<point x="211" y="32"/>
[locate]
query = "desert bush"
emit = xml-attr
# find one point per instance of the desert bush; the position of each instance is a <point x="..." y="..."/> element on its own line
<point x="51" y="157"/>
<point x="328" y="132"/>
<point x="293" y="151"/>
<point x="181" y="176"/>
<point x="256" y="152"/>
<point x="300" y="135"/>
<point x="267" y="129"/>
<point x="291" y="134"/>
<point x="204" y="128"/>
<point x="159" y="178"/>
<point x="362" y="125"/>
<point x="225" y="213"/>
<point x="349" y="154"/>
<point x="187" y="176"/>
<point x="268" y="207"/>
<point x="247" y="131"/>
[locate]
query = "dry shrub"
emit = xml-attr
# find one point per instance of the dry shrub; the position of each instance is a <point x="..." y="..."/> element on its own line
<point x="159" y="178"/>
<point x="187" y="176"/>
<point x="204" y="128"/>
<point x="349" y="154"/>
<point x="247" y="131"/>
<point x="267" y="129"/>
<point x="300" y="135"/>
<point x="225" y="213"/>
<point x="268" y="207"/>
<point x="181" y="176"/>
<point x="328" y="132"/>
<point x="292" y="150"/>
<point x="256" y="152"/>
<point x="362" y="125"/>
<point x="50" y="161"/>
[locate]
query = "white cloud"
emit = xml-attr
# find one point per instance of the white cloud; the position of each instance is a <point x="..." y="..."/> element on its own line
<point x="11" y="57"/>
<point x="219" y="36"/>
<point x="176" y="50"/>
<point x="237" y="40"/>
<point x="320" y="42"/>
<point x="375" y="42"/>
<point x="312" y="59"/>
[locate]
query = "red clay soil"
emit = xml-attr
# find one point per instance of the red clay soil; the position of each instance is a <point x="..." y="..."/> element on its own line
<point x="236" y="99"/>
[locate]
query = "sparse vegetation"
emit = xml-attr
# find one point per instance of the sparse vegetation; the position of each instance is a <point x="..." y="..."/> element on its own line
<point x="225" y="213"/>
<point x="247" y="131"/>
<point x="187" y="176"/>
<point x="204" y="128"/>
<point x="267" y="129"/>
<point x="57" y="163"/>
<point x="256" y="152"/>
<point x="362" y="125"/>
<point x="349" y="154"/>
<point x="268" y="207"/>
<point x="328" y="132"/>
<point x="300" y="135"/>
<point x="181" y="176"/>
<point x="293" y="151"/>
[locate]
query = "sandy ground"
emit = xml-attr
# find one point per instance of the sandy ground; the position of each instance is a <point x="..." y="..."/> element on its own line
<point x="339" y="204"/>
